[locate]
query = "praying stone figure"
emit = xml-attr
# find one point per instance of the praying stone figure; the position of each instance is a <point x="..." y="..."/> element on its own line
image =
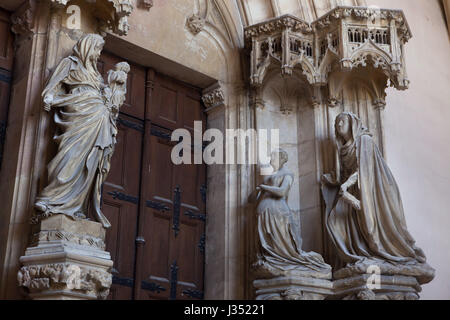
<point x="86" y="110"/>
<point x="280" y="243"/>
<point x="364" y="212"/>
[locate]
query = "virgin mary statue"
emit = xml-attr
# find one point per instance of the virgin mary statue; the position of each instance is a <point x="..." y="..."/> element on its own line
<point x="87" y="134"/>
<point x="364" y="217"/>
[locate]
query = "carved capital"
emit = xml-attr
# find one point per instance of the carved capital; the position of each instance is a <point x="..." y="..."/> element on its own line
<point x="147" y="4"/>
<point x="195" y="24"/>
<point x="315" y="102"/>
<point x="379" y="104"/>
<point x="23" y="19"/>
<point x="213" y="97"/>
<point x="334" y="102"/>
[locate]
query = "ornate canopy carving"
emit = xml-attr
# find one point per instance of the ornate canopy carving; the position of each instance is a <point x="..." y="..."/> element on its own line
<point x="342" y="39"/>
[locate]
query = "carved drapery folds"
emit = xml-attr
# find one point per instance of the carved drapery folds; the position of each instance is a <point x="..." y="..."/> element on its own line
<point x="113" y="14"/>
<point x="343" y="39"/>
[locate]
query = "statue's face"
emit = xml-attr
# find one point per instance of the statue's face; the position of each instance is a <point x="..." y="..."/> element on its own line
<point x="275" y="160"/>
<point x="97" y="51"/>
<point x="343" y="126"/>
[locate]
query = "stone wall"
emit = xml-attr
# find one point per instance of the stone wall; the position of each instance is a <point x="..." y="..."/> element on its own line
<point x="418" y="137"/>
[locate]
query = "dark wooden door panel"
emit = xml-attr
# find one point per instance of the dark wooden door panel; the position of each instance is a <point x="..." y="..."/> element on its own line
<point x="121" y="204"/>
<point x="157" y="209"/>
<point x="173" y="219"/>
<point x="6" y="64"/>
<point x="6" y="42"/>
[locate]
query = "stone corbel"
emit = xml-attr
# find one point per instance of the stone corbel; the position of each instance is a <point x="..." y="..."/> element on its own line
<point x="333" y="102"/>
<point x="315" y="102"/>
<point x="213" y="97"/>
<point x="256" y="100"/>
<point x="379" y="104"/>
<point x="112" y="14"/>
<point x="147" y="4"/>
<point x="195" y="24"/>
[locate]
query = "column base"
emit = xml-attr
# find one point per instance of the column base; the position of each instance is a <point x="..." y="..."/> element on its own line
<point x="376" y="280"/>
<point x="293" y="288"/>
<point x="66" y="261"/>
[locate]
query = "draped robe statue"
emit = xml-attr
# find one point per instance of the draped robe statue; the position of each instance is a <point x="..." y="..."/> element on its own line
<point x="85" y="112"/>
<point x="364" y="212"/>
<point x="280" y="243"/>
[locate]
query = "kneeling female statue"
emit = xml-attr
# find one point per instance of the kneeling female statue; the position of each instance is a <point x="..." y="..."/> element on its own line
<point x="364" y="215"/>
<point x="280" y="243"/>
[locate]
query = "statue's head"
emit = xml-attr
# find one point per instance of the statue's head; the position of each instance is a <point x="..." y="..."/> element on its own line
<point x="343" y="126"/>
<point x="89" y="48"/>
<point x="122" y="66"/>
<point x="348" y="126"/>
<point x="278" y="158"/>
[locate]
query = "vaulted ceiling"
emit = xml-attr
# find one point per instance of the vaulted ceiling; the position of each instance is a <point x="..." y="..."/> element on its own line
<point x="254" y="11"/>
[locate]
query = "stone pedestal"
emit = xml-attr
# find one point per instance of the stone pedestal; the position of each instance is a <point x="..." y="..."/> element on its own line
<point x="294" y="287"/>
<point x="66" y="260"/>
<point x="381" y="281"/>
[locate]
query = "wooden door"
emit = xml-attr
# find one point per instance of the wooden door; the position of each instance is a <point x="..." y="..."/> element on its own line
<point x="172" y="219"/>
<point x="157" y="209"/>
<point x="6" y="64"/>
<point x="122" y="187"/>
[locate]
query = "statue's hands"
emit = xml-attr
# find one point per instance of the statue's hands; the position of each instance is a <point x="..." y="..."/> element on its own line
<point x="328" y="180"/>
<point x="343" y="189"/>
<point x="48" y="99"/>
<point x="351" y="200"/>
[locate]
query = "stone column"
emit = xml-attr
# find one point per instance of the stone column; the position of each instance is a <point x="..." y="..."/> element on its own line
<point x="66" y="260"/>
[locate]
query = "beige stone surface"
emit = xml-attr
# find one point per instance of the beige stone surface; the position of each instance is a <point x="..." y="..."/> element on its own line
<point x="293" y="288"/>
<point x="61" y="222"/>
<point x="418" y="136"/>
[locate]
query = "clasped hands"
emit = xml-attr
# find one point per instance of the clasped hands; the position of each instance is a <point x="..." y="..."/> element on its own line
<point x="343" y="192"/>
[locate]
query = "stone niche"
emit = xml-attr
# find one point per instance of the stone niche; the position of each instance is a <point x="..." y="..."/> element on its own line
<point x="287" y="106"/>
<point x="302" y="75"/>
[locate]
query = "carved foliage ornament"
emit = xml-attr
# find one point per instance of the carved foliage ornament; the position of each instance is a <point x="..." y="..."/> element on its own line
<point x="213" y="98"/>
<point x="195" y="24"/>
<point x="65" y="276"/>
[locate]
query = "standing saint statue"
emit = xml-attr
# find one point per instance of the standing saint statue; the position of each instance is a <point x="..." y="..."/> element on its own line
<point x="85" y="112"/>
<point x="364" y="212"/>
<point x="280" y="243"/>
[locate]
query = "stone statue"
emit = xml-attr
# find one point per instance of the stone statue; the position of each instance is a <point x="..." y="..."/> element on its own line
<point x="364" y="212"/>
<point x="280" y="243"/>
<point x="85" y="112"/>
